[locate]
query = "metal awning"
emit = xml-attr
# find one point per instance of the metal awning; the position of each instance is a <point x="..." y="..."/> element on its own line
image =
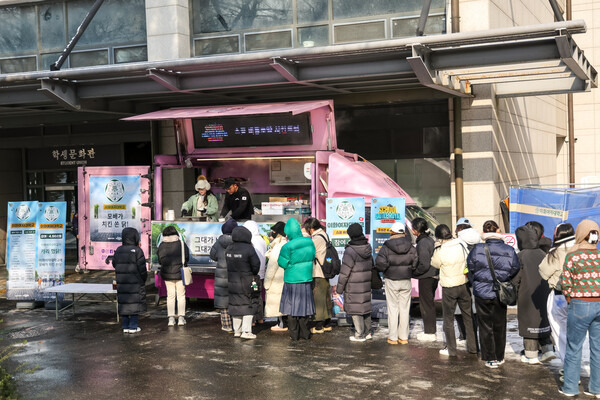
<point x="519" y="61"/>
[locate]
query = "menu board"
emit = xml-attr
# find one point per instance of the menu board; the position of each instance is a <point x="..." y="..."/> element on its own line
<point x="252" y="130"/>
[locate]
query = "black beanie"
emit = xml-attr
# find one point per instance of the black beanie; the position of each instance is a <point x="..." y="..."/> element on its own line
<point x="278" y="228"/>
<point x="228" y="226"/>
<point x="355" y="231"/>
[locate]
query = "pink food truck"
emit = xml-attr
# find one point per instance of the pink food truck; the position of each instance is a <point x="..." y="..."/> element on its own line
<point x="284" y="154"/>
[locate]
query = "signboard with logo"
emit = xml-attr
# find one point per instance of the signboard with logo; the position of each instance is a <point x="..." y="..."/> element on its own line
<point x="384" y="212"/>
<point x="21" y="256"/>
<point x="50" y="271"/>
<point x="110" y="199"/>
<point x="341" y="213"/>
<point x="115" y="203"/>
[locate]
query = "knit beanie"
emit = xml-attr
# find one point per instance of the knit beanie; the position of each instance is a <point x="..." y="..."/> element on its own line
<point x="278" y="228"/>
<point x="228" y="226"/>
<point x="355" y="231"/>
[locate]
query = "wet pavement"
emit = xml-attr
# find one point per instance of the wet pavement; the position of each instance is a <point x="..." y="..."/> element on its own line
<point x="86" y="356"/>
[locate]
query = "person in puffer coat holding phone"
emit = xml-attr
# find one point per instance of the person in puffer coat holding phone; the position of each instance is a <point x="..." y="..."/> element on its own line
<point x="243" y="265"/>
<point x="354" y="282"/>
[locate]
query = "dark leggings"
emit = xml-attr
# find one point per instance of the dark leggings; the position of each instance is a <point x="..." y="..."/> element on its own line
<point x="427" y="288"/>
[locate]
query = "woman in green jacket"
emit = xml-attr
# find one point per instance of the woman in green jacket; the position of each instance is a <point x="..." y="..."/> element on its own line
<point x="296" y="258"/>
<point x="202" y="203"/>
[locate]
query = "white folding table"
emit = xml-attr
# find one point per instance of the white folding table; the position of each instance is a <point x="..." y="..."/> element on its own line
<point x="83" y="289"/>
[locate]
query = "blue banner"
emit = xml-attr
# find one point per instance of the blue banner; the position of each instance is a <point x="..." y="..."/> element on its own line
<point x="384" y="212"/>
<point x="115" y="203"/>
<point x="551" y="206"/>
<point x="50" y="271"/>
<point x="341" y="213"/>
<point x="21" y="255"/>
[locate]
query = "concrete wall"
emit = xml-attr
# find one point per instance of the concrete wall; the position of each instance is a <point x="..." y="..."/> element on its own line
<point x="507" y="141"/>
<point x="168" y="29"/>
<point x="10" y="190"/>
<point x="587" y="105"/>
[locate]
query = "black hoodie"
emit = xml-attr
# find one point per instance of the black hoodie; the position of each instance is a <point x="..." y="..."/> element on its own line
<point x="397" y="259"/>
<point x="243" y="265"/>
<point x="131" y="273"/>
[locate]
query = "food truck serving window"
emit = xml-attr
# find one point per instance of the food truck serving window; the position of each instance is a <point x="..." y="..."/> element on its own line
<point x="252" y="130"/>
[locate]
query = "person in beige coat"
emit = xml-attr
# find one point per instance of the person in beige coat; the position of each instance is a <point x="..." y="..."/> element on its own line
<point x="274" y="276"/>
<point x="551" y="269"/>
<point x="321" y="286"/>
<point x="450" y="257"/>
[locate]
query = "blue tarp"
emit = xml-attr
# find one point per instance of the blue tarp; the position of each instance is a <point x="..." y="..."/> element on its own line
<point x="551" y="206"/>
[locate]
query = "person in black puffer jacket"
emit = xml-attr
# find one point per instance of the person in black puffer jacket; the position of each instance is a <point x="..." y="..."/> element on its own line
<point x="491" y="314"/>
<point x="243" y="265"/>
<point x="217" y="253"/>
<point x="397" y="259"/>
<point x="428" y="277"/>
<point x="129" y="263"/>
<point x="169" y="257"/>
<point x="355" y="282"/>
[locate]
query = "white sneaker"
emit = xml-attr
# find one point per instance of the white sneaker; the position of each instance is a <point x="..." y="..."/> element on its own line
<point x="426" y="337"/>
<point x="527" y="360"/>
<point x="171" y="321"/>
<point x="445" y="352"/>
<point x="547" y="356"/>
<point x="248" y="335"/>
<point x="596" y="395"/>
<point x="181" y="321"/>
<point x="237" y="334"/>
<point x="491" y="364"/>
<point x="357" y="339"/>
<point x="138" y="329"/>
<point x="125" y="330"/>
<point x="369" y="337"/>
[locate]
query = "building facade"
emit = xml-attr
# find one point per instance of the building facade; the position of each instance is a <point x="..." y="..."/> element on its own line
<point x="210" y="52"/>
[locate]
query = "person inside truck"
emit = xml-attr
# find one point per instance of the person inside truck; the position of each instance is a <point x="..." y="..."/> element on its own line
<point x="203" y="203"/>
<point x="237" y="202"/>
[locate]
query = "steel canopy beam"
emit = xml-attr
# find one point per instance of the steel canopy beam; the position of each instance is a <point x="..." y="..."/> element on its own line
<point x="542" y="87"/>
<point x="61" y="92"/>
<point x="165" y="79"/>
<point x="573" y="57"/>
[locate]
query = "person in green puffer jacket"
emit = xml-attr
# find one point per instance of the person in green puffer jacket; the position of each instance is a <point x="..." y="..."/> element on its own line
<point x="296" y="258"/>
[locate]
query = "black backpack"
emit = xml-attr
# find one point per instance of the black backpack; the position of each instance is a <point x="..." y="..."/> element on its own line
<point x="331" y="264"/>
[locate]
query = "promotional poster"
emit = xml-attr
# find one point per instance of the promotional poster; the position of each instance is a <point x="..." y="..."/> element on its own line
<point x="21" y="255"/>
<point x="51" y="220"/>
<point x="384" y="212"/>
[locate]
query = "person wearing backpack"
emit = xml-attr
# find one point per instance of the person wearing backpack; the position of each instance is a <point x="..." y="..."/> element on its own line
<point x="321" y="287"/>
<point x="397" y="260"/>
<point x="355" y="282"/>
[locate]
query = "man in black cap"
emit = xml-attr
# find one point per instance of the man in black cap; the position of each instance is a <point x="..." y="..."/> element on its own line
<point x="237" y="200"/>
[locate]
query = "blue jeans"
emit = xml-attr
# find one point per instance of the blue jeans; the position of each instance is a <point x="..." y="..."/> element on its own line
<point x="584" y="317"/>
<point x="129" y="321"/>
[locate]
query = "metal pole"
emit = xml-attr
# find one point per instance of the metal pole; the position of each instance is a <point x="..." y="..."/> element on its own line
<point x="571" y="120"/>
<point x="423" y="17"/>
<point x="457" y="112"/>
<point x="80" y="30"/>
<point x="556" y="9"/>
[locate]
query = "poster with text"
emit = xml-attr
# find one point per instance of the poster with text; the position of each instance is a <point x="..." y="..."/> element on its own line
<point x="50" y="271"/>
<point x="341" y="213"/>
<point x="21" y="256"/>
<point x="384" y="212"/>
<point x="115" y="203"/>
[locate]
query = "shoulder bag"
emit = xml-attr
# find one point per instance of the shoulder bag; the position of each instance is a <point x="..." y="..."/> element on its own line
<point x="186" y="272"/>
<point x="506" y="291"/>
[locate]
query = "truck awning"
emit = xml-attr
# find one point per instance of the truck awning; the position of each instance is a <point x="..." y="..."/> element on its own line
<point x="244" y="109"/>
<point x="518" y="61"/>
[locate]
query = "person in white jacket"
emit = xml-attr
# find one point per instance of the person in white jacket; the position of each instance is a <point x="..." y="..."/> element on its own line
<point x="551" y="269"/>
<point x="260" y="246"/>
<point x="450" y="256"/>
<point x="274" y="276"/>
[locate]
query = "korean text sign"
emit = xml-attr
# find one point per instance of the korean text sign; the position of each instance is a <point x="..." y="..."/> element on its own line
<point x="385" y="211"/>
<point x="341" y="213"/>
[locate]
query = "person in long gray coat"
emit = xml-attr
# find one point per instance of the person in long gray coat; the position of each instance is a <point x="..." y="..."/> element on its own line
<point x="217" y="253"/>
<point x="534" y="325"/>
<point x="129" y="263"/>
<point x="355" y="282"/>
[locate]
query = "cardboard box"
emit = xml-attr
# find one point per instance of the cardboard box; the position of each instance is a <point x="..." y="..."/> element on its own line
<point x="278" y="200"/>
<point x="272" y="208"/>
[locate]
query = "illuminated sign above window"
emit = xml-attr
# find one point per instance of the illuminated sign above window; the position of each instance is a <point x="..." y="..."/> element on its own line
<point x="252" y="130"/>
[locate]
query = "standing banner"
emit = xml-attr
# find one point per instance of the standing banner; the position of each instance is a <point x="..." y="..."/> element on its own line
<point x="21" y="255"/>
<point x="50" y="271"/>
<point x="384" y="212"/>
<point x="115" y="203"/>
<point x="341" y="213"/>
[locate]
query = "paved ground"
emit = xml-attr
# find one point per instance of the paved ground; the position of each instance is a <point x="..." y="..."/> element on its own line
<point x="86" y="356"/>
